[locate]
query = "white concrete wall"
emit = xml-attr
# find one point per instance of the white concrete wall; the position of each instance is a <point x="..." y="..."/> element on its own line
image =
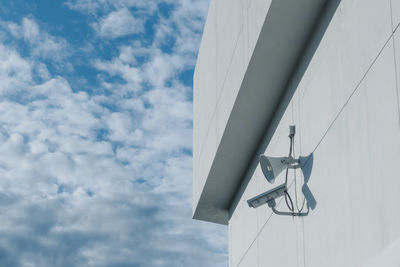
<point x="232" y="29"/>
<point x="346" y="109"/>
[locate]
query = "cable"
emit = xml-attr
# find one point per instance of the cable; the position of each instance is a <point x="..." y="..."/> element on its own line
<point x="295" y="183"/>
<point x="287" y="196"/>
<point x="295" y="193"/>
<point x="286" y="176"/>
<point x="286" y="193"/>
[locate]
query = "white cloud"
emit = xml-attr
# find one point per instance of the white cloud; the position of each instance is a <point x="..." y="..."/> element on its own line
<point x="93" y="6"/>
<point x="102" y="179"/>
<point x="117" y="67"/>
<point x="42" y="44"/>
<point x="119" y="23"/>
<point x="15" y="72"/>
<point x="127" y="55"/>
<point x="162" y="67"/>
<point x="30" y="30"/>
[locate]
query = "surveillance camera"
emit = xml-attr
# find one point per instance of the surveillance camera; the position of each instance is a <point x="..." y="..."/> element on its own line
<point x="272" y="167"/>
<point x="268" y="196"/>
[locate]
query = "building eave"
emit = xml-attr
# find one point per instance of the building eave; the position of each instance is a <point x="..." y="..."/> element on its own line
<point x="286" y="29"/>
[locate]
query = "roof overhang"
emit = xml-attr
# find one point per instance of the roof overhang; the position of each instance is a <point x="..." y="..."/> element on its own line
<point x="283" y="37"/>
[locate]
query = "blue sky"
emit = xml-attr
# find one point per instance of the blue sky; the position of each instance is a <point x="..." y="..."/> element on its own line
<point x="96" y="134"/>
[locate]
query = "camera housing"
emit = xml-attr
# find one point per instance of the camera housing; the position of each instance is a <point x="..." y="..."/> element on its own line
<point x="268" y="196"/>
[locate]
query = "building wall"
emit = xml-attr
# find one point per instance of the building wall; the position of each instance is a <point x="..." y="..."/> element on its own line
<point x="232" y="29"/>
<point x="346" y="109"/>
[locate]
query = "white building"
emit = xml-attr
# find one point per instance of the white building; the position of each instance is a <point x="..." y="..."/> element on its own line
<point x="332" y="68"/>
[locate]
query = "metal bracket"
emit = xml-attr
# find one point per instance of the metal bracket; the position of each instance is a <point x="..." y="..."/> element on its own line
<point x="272" y="205"/>
<point x="292" y="163"/>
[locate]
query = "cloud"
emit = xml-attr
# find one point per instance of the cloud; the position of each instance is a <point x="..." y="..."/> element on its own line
<point x="102" y="177"/>
<point x="94" y="6"/>
<point x="15" y="72"/>
<point x="119" y="23"/>
<point x="131" y="75"/>
<point x="41" y="43"/>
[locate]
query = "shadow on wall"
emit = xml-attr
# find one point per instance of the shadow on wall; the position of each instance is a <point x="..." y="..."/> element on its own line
<point x="292" y="84"/>
<point x="306" y="167"/>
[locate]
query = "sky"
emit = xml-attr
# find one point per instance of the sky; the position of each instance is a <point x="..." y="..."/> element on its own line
<point x="96" y="134"/>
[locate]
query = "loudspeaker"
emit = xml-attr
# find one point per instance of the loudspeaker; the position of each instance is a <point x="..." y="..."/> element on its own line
<point x="272" y="167"/>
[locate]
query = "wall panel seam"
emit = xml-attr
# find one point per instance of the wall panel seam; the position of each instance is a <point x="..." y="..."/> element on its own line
<point x="219" y="96"/>
<point x="395" y="64"/>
